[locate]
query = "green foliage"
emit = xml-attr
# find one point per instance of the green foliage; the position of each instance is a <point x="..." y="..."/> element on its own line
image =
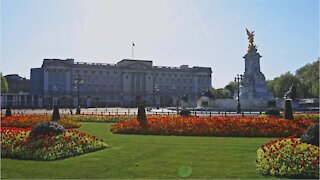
<point x="273" y="113"/>
<point x="4" y="84"/>
<point x="185" y="113"/>
<point x="311" y="136"/>
<point x="309" y="77"/>
<point x="306" y="80"/>
<point x="55" y="114"/>
<point x="232" y="87"/>
<point x="288" y="112"/>
<point x="288" y="158"/>
<point x="220" y="93"/>
<point x="46" y="128"/>
<point x="280" y="85"/>
<point x="8" y="111"/>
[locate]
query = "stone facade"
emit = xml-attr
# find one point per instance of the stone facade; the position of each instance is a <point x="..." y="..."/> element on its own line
<point x="18" y="95"/>
<point x="123" y="84"/>
<point x="17" y="83"/>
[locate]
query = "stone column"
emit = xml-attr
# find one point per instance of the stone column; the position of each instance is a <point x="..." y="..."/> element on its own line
<point x="14" y="99"/>
<point x="19" y="100"/>
<point x="45" y="81"/>
<point x="40" y="102"/>
<point x="5" y="99"/>
<point x="32" y="101"/>
<point x="88" y="102"/>
<point x="68" y="82"/>
<point x="25" y="100"/>
<point x="2" y="100"/>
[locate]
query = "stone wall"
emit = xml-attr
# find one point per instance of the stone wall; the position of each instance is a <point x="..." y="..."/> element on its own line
<point x="246" y="104"/>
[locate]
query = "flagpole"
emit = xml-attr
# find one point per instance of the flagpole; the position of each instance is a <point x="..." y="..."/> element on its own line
<point x="132" y="49"/>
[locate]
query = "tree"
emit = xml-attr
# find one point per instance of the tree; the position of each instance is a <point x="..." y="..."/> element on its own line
<point x="306" y="81"/>
<point x="55" y="114"/>
<point x="232" y="87"/>
<point x="309" y="77"/>
<point x="4" y="84"/>
<point x="220" y="93"/>
<point x="142" y="117"/>
<point x="280" y="85"/>
<point x="270" y="85"/>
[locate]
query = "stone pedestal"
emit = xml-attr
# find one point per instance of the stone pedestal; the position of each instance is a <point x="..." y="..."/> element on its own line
<point x="184" y="105"/>
<point x="253" y="85"/>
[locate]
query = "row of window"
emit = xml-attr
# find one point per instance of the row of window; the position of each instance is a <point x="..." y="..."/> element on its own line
<point x="168" y="80"/>
<point x="58" y="88"/>
<point x="116" y="80"/>
<point x="55" y="72"/>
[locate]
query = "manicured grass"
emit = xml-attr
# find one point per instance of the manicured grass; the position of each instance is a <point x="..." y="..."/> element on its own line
<point x="138" y="156"/>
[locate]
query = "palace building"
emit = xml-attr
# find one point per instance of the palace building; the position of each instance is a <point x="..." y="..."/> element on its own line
<point x="127" y="83"/>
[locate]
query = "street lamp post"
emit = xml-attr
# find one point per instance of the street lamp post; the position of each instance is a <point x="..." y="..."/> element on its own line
<point x="121" y="94"/>
<point x="238" y="80"/>
<point x="157" y="89"/>
<point x="54" y="89"/>
<point x="174" y="88"/>
<point x="78" y="80"/>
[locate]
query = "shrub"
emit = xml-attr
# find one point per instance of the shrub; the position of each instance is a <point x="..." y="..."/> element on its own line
<point x="184" y="112"/>
<point x="289" y="158"/>
<point x="142" y="117"/>
<point x="311" y="136"/>
<point x="8" y="111"/>
<point x="288" y="112"/>
<point x="78" y="110"/>
<point x="55" y="114"/>
<point x="46" y="128"/>
<point x="272" y="113"/>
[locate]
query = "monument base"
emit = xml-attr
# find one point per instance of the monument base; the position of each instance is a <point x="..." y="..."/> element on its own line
<point x="231" y="104"/>
<point x="184" y="105"/>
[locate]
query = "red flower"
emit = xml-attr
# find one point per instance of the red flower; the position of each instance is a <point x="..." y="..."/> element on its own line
<point x="294" y="145"/>
<point x="291" y="137"/>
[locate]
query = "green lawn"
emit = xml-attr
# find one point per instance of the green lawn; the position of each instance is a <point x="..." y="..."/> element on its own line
<point x="138" y="156"/>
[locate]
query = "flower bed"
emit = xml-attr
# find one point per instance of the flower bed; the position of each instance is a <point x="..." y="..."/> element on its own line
<point x="289" y="158"/>
<point x="16" y="143"/>
<point x="310" y="116"/>
<point x="108" y="118"/>
<point x="99" y="118"/>
<point x="215" y="126"/>
<point x="26" y="121"/>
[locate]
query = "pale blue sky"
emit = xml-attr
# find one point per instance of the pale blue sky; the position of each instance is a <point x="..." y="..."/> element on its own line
<point x="208" y="33"/>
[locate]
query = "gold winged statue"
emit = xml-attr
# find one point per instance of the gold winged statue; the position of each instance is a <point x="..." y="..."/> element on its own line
<point x="251" y="39"/>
